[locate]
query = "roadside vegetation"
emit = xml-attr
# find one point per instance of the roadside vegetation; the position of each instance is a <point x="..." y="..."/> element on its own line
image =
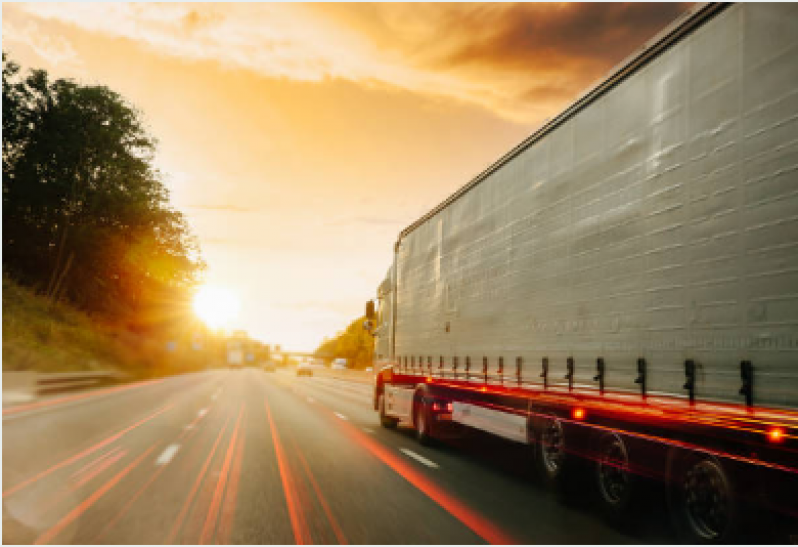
<point x="98" y="268"/>
<point x="45" y="337"/>
<point x="354" y="344"/>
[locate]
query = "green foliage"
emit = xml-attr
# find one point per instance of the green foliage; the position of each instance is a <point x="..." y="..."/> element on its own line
<point x="85" y="215"/>
<point x="354" y="344"/>
<point x="45" y="337"/>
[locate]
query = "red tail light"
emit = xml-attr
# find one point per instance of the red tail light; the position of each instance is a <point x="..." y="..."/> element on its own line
<point x="578" y="413"/>
<point x="776" y="435"/>
<point x="440" y="406"/>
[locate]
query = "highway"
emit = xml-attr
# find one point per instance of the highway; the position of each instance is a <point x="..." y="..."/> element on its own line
<point x="250" y="457"/>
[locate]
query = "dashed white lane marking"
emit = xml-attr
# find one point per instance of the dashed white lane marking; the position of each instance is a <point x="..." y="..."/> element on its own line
<point x="189" y="427"/>
<point x="367" y="430"/>
<point x="202" y="412"/>
<point x="340" y="415"/>
<point x="167" y="455"/>
<point x="419" y="458"/>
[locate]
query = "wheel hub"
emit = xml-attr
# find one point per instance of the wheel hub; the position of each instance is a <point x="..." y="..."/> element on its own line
<point x="707" y="499"/>
<point x="613" y="468"/>
<point x="552" y="446"/>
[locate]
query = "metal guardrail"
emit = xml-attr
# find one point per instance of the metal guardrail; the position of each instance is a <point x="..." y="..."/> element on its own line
<point x="20" y="387"/>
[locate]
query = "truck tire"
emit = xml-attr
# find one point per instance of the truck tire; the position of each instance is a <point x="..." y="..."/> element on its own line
<point x="422" y="422"/>
<point x="702" y="499"/>
<point x="385" y="420"/>
<point x="615" y="484"/>
<point x="550" y="452"/>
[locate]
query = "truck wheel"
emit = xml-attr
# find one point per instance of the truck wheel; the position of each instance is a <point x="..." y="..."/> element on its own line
<point x="421" y="421"/>
<point x="551" y="457"/>
<point x="385" y="420"/>
<point x="702" y="500"/>
<point x="615" y="483"/>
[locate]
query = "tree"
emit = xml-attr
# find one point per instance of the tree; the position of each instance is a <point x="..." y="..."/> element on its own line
<point x="85" y="215"/>
<point x="354" y="344"/>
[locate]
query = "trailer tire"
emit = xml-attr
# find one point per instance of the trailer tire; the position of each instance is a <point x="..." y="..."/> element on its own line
<point x="615" y="484"/>
<point x="702" y="499"/>
<point x="385" y="421"/>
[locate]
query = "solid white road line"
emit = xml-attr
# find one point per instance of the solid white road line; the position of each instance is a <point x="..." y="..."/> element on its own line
<point x="167" y="455"/>
<point x="367" y="430"/>
<point x="340" y="415"/>
<point x="419" y="458"/>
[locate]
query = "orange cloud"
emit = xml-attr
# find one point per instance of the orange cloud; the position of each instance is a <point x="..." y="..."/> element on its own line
<point x="517" y="60"/>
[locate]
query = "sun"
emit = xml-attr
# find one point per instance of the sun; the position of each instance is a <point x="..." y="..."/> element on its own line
<point x="216" y="306"/>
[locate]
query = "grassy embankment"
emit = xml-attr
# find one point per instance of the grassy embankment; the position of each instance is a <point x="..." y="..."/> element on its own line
<point x="38" y="336"/>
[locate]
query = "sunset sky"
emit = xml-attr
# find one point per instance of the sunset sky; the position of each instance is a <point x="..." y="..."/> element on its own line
<point x="299" y="139"/>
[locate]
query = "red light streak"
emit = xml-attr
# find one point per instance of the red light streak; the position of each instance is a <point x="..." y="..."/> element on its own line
<point x="187" y="504"/>
<point x="298" y="525"/>
<point x="339" y="534"/>
<point x="90" y="450"/>
<point x="231" y="496"/>
<point x="213" y="511"/>
<point x="474" y="521"/>
<point x="50" y="534"/>
<point x="70" y="398"/>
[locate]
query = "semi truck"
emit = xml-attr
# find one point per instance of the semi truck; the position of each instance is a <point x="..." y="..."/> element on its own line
<point x="619" y="291"/>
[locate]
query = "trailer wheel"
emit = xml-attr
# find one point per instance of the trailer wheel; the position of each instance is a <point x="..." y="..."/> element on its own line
<point x="385" y="421"/>
<point x="551" y="456"/>
<point x="421" y="422"/>
<point x="703" y="501"/>
<point x="615" y="482"/>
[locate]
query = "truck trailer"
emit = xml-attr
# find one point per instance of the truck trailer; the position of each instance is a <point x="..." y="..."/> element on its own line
<point x="620" y="290"/>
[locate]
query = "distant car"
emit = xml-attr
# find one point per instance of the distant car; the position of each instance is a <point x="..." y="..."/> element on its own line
<point x="303" y="369"/>
<point x="269" y="366"/>
<point x="339" y="364"/>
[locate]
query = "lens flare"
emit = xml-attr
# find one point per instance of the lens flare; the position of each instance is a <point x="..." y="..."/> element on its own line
<point x="216" y="306"/>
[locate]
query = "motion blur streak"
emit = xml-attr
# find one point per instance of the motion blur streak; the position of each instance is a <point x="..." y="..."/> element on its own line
<point x="300" y="529"/>
<point x="339" y="534"/>
<point x="50" y="534"/>
<point x="99" y="469"/>
<point x="187" y="504"/>
<point x="229" y="507"/>
<point x="68" y="399"/>
<point x="129" y="504"/>
<point x="67" y="492"/>
<point x="84" y="453"/>
<point x="94" y="462"/>
<point x="122" y="512"/>
<point x="472" y="520"/>
<point x="213" y="511"/>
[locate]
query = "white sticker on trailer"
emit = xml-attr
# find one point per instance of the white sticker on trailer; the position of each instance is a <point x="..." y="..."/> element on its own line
<point x="504" y="424"/>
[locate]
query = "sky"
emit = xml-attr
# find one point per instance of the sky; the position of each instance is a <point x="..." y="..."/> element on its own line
<point x="299" y="139"/>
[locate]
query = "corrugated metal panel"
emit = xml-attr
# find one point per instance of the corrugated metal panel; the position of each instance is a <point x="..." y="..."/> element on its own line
<point x="660" y="221"/>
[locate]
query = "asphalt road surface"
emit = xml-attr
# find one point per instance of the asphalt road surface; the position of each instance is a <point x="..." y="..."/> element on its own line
<point x="246" y="456"/>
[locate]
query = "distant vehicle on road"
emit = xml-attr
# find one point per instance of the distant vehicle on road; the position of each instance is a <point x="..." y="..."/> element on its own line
<point x="303" y="369"/>
<point x="339" y="364"/>
<point x="235" y="354"/>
